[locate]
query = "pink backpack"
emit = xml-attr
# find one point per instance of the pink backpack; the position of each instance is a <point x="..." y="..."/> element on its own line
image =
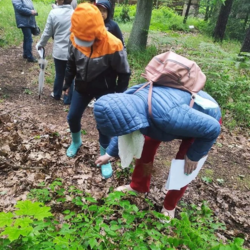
<point x="175" y="71"/>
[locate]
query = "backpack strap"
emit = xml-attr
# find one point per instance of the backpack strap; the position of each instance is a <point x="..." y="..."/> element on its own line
<point x="149" y="95"/>
<point x="150" y="92"/>
<point x="191" y="104"/>
<point x="142" y="87"/>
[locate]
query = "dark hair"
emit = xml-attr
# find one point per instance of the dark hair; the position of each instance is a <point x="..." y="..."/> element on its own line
<point x="67" y="1"/>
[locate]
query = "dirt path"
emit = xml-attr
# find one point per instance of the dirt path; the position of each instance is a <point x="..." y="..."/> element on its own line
<point x="34" y="138"/>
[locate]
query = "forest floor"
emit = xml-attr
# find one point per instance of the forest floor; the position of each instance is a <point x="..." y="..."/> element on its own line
<point x="35" y="136"/>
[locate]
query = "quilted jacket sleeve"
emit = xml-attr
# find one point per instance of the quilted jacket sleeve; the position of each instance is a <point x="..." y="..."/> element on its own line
<point x="189" y="122"/>
<point x="112" y="149"/>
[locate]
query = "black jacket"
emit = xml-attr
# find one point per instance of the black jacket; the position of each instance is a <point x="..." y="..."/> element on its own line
<point x="111" y="25"/>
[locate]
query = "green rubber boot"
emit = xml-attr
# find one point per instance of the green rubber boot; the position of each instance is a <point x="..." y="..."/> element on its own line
<point x="75" y="144"/>
<point x="106" y="168"/>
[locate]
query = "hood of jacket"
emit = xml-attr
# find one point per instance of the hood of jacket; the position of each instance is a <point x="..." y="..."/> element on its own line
<point x="87" y="24"/>
<point x="120" y="114"/>
<point x="107" y="5"/>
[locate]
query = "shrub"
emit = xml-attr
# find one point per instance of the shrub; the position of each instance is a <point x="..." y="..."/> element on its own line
<point x="112" y="223"/>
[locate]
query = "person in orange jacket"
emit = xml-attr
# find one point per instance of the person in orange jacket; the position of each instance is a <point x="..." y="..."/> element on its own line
<point x="99" y="65"/>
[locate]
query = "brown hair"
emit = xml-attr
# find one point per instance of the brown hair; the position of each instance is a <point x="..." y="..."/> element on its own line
<point x="67" y="1"/>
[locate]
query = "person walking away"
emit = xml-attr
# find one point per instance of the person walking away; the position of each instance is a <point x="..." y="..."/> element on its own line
<point x="58" y="26"/>
<point x="125" y="117"/>
<point x="105" y="8"/>
<point x="99" y="65"/>
<point x="25" y="20"/>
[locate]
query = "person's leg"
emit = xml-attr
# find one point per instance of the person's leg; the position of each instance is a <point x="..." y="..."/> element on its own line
<point x="143" y="167"/>
<point x="104" y="141"/>
<point x="60" y="67"/>
<point x="27" y="43"/>
<point x="173" y="196"/>
<point x="24" y="44"/>
<point x="78" y="105"/>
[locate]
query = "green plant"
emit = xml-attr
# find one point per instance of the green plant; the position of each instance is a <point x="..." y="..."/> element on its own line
<point x="27" y="91"/>
<point x="56" y="134"/>
<point x="111" y="223"/>
<point x="41" y="195"/>
<point x="220" y="181"/>
<point x="83" y="132"/>
<point x="124" y="172"/>
<point x="124" y="15"/>
<point x="207" y="179"/>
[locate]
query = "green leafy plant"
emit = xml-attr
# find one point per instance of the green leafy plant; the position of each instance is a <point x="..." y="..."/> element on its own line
<point x="41" y="195"/>
<point x="83" y="132"/>
<point x="220" y="181"/>
<point x="111" y="223"/>
<point x="27" y="91"/>
<point x="207" y="179"/>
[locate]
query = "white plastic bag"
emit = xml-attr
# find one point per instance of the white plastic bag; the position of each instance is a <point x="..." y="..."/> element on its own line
<point x="204" y="103"/>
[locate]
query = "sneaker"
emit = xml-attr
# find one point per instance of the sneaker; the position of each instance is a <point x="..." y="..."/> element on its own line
<point x="52" y="95"/>
<point x="25" y="57"/>
<point x="125" y="188"/>
<point x="168" y="213"/>
<point x="92" y="103"/>
<point x="32" y="59"/>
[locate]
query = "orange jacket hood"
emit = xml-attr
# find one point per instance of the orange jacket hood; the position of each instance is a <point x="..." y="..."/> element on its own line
<point x="87" y="24"/>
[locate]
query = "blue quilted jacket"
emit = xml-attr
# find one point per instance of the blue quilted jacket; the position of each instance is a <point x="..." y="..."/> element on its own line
<point x="24" y="17"/>
<point x="119" y="114"/>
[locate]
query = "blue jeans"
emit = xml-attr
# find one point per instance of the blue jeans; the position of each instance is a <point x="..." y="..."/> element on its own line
<point x="78" y="105"/>
<point x="60" y="67"/>
<point x="27" y="42"/>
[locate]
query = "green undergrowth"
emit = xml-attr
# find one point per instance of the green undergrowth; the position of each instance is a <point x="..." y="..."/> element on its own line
<point x="75" y="220"/>
<point x="228" y="75"/>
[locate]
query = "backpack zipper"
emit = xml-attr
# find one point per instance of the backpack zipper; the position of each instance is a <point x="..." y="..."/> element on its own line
<point x="186" y="67"/>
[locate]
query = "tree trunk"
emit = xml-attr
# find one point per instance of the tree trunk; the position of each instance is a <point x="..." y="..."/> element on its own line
<point x="187" y="11"/>
<point x="113" y="8"/>
<point x="207" y="11"/>
<point x="246" y="44"/>
<point x="245" y="21"/>
<point x="221" y="24"/>
<point x="196" y="7"/>
<point x="139" y="34"/>
<point x="157" y="4"/>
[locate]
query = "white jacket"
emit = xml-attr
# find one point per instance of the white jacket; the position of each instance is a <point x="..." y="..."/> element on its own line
<point x="58" y="27"/>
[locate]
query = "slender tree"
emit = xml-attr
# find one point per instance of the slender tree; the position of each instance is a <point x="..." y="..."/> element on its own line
<point x="222" y="21"/>
<point x="246" y="43"/>
<point x="113" y="7"/>
<point x="187" y="11"/>
<point x="139" y="34"/>
<point x="207" y="10"/>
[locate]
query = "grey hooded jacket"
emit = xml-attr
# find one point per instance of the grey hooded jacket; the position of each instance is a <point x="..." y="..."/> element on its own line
<point x="58" y="26"/>
<point x="24" y="17"/>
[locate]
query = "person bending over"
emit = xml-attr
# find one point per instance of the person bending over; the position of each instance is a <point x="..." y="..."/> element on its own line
<point x="125" y="117"/>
